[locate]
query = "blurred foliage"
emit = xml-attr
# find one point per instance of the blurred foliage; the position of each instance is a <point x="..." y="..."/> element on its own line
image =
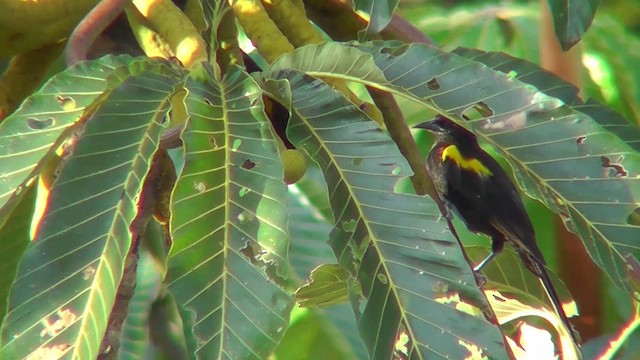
<point x="115" y="250"/>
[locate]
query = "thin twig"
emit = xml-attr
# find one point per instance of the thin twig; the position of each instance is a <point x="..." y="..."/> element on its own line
<point x="88" y="30"/>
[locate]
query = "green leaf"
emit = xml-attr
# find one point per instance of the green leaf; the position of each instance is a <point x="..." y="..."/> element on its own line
<point x="311" y="337"/>
<point x="68" y="277"/>
<point x="147" y="315"/>
<point x="562" y="155"/>
<point x="15" y="239"/>
<point x="380" y="13"/>
<point x="606" y="39"/>
<point x="29" y="134"/>
<point x="229" y="222"/>
<point x="511" y="28"/>
<point x="329" y="284"/>
<point x="600" y="218"/>
<point x="393" y="243"/>
<point x="135" y="332"/>
<point x="571" y="19"/>
<point x="309" y="248"/>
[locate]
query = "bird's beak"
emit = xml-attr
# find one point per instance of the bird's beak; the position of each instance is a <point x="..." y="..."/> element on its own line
<point x="428" y="125"/>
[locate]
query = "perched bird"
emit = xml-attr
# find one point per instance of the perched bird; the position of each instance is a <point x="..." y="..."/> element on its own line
<point x="471" y="183"/>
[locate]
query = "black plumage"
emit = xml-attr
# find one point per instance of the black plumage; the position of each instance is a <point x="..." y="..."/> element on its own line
<point x="471" y="183"/>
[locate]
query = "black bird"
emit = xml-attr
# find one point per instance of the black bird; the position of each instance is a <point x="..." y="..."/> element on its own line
<point x="471" y="183"/>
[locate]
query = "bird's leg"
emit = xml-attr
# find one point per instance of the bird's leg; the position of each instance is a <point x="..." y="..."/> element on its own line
<point x="484" y="262"/>
<point x="497" y="244"/>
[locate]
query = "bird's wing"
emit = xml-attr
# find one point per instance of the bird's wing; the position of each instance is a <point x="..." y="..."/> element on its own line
<point x="493" y="199"/>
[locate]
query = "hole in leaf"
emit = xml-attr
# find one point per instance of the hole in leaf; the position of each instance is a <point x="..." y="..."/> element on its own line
<point x="251" y="251"/>
<point x="245" y="216"/>
<point x="440" y="287"/>
<point x="66" y="102"/>
<point x="634" y="217"/>
<point x="618" y="169"/>
<point x="88" y="272"/>
<point x="236" y="144"/>
<point x="512" y="74"/>
<point x="580" y="140"/>
<point x="478" y="111"/>
<point x="208" y="102"/>
<point x="357" y="161"/>
<point x="349" y="226"/>
<point x="402" y="344"/>
<point x="199" y="186"/>
<point x="248" y="164"/>
<point x="39" y="124"/>
<point x="396" y="170"/>
<point x="484" y="109"/>
<point x="382" y="278"/>
<point x="395" y="51"/>
<point x="433" y="84"/>
<point x="244" y="191"/>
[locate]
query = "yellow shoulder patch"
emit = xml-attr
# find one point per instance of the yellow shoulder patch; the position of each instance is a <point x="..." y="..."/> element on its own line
<point x="451" y="152"/>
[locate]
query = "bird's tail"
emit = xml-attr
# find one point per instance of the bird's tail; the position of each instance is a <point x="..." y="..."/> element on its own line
<point x="543" y="275"/>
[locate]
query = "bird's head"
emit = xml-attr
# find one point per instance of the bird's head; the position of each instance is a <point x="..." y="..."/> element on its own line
<point x="447" y="130"/>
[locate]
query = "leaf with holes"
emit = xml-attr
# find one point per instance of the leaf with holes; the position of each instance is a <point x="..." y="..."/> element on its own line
<point x="561" y="154"/>
<point x="35" y="129"/>
<point x="393" y="243"/>
<point x="68" y="277"/>
<point x="229" y="222"/>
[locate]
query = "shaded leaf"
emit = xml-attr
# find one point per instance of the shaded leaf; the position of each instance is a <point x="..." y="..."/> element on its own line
<point x="606" y="38"/>
<point x="68" y="278"/>
<point x="571" y="19"/>
<point x="309" y="247"/>
<point x="560" y="154"/>
<point x="380" y="13"/>
<point x="135" y="329"/>
<point x="393" y="243"/>
<point x="329" y="284"/>
<point x="229" y="223"/>
<point x="15" y="239"/>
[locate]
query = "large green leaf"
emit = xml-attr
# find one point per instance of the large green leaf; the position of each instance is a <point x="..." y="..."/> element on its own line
<point x="512" y="28"/>
<point x="560" y="154"/>
<point x="393" y="243"/>
<point x="309" y="247"/>
<point x="380" y="13"/>
<point x="68" y="277"/>
<point x="605" y="39"/>
<point x="571" y="19"/>
<point x="28" y="134"/>
<point x="15" y="239"/>
<point x="229" y="223"/>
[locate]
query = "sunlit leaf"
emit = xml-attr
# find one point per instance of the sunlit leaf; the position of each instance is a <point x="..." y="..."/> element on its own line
<point x="68" y="277"/>
<point x="229" y="223"/>
<point x="28" y="134"/>
<point x="329" y="284"/>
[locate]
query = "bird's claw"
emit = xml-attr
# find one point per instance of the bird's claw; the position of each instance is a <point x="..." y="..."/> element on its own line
<point x="481" y="280"/>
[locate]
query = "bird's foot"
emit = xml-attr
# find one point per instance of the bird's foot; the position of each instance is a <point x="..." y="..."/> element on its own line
<point x="481" y="280"/>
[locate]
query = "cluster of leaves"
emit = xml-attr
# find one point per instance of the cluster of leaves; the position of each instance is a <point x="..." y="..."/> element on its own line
<point x="241" y="241"/>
